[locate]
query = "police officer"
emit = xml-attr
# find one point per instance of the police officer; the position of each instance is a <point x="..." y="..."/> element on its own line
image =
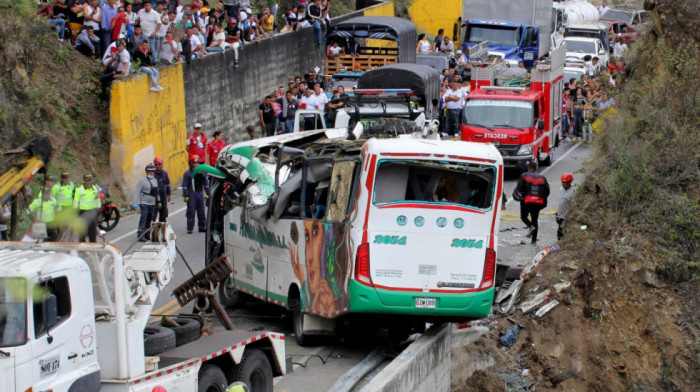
<point x="146" y="197"/>
<point x="64" y="192"/>
<point x="43" y="209"/>
<point x="195" y="189"/>
<point x="87" y="202"/>
<point x="532" y="192"/>
<point x="164" y="187"/>
<point x="565" y="194"/>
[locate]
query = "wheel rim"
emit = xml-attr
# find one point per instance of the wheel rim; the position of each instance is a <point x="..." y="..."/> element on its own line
<point x="229" y="292"/>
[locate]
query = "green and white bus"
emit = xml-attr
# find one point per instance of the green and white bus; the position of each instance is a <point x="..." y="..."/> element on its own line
<point x="331" y="228"/>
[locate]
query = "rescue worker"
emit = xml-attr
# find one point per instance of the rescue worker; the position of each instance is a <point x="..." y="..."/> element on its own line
<point x="195" y="189"/>
<point x="197" y="142"/>
<point x="87" y="202"/>
<point x="43" y="209"/>
<point x="564" y="202"/>
<point x="164" y="187"/>
<point x="146" y="197"/>
<point x="532" y="192"/>
<point x="64" y="192"/>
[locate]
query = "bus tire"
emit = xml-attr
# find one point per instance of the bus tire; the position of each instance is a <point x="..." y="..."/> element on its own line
<point x="211" y="379"/>
<point x="229" y="296"/>
<point x="302" y="339"/>
<point x="188" y="331"/>
<point x="157" y="339"/>
<point x="255" y="371"/>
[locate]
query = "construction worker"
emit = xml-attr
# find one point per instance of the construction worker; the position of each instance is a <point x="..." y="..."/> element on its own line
<point x="532" y="192"/>
<point x="147" y="197"/>
<point x="565" y="194"/>
<point x="64" y="192"/>
<point x="87" y="202"/>
<point x="195" y="189"/>
<point x="164" y="187"/>
<point x="43" y="209"/>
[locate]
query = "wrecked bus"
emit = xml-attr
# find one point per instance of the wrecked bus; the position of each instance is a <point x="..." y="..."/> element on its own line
<point x="333" y="228"/>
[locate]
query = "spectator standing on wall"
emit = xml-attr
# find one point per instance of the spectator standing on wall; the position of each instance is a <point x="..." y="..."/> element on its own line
<point x="438" y="40"/>
<point x="267" y="116"/>
<point x="164" y="187"/>
<point x="75" y="14"/>
<point x="93" y="17"/>
<point x="109" y="12"/>
<point x="267" y="22"/>
<point x="214" y="147"/>
<point x="197" y="142"/>
<point x="143" y="54"/>
<point x="134" y="42"/>
<point x="150" y="24"/>
<point x="171" y="50"/>
<point x="160" y="34"/>
<point x="315" y="14"/>
<point x="192" y="47"/>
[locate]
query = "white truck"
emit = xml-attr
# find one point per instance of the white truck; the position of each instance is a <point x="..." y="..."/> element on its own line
<point x="73" y="317"/>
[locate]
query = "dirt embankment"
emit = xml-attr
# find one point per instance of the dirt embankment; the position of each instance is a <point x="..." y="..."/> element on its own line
<point x="631" y="317"/>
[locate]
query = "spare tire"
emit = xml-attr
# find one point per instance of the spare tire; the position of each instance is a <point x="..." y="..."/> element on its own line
<point x="157" y="339"/>
<point x="188" y="331"/>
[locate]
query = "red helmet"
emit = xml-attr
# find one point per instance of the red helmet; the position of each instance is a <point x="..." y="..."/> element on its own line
<point x="157" y="161"/>
<point x="195" y="159"/>
<point x="566" y="177"/>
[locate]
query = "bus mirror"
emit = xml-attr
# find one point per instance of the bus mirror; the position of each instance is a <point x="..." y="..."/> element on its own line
<point x="540" y="125"/>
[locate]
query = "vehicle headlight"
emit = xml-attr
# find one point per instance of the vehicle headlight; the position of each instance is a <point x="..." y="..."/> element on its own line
<point x="512" y="63"/>
<point x="525" y="150"/>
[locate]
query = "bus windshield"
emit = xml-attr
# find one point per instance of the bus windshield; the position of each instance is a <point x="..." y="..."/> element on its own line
<point x="467" y="184"/>
<point x="13" y="311"/>
<point x="497" y="113"/>
<point x="496" y="35"/>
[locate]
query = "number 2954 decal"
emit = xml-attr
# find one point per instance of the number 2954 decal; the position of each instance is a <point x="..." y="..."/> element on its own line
<point x="463" y="243"/>
<point x="390" y="240"/>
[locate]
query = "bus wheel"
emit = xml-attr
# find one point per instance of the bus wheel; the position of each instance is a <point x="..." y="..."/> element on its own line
<point x="298" y="324"/>
<point x="229" y="296"/>
<point x="211" y="379"/>
<point x="255" y="371"/>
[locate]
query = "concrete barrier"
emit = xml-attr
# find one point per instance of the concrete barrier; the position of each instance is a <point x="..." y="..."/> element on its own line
<point x="422" y="366"/>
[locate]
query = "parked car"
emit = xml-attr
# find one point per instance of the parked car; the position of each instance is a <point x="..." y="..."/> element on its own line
<point x="620" y="28"/>
<point x="579" y="47"/>
<point x="634" y="17"/>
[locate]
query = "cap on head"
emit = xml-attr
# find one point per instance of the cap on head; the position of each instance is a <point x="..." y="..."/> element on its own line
<point x="65" y="175"/>
<point x="50" y="178"/>
<point x="459" y="51"/>
<point x="158" y="161"/>
<point x="150" y="167"/>
<point x="197" y="125"/>
<point x="567" y="177"/>
<point x="87" y="177"/>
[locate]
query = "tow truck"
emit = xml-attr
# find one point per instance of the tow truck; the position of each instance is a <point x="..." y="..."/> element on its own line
<point x="74" y="317"/>
<point x="524" y="123"/>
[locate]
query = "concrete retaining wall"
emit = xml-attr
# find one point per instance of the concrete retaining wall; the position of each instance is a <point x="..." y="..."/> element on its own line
<point x="422" y="366"/>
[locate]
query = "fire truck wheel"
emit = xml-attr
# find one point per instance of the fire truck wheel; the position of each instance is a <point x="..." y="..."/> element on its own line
<point x="157" y="339"/>
<point x="211" y="379"/>
<point x="188" y="331"/>
<point x="255" y="371"/>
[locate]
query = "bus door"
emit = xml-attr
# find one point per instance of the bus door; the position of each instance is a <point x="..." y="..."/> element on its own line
<point x="431" y="227"/>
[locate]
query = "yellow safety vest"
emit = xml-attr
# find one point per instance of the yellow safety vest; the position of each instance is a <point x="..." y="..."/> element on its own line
<point x="86" y="199"/>
<point x="46" y="209"/>
<point x="64" y="194"/>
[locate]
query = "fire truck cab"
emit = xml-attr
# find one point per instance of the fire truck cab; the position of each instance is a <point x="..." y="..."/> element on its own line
<point x="524" y="123"/>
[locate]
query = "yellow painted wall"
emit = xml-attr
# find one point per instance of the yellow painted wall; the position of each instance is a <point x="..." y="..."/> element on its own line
<point x="431" y="15"/>
<point x="385" y="9"/>
<point x="146" y="124"/>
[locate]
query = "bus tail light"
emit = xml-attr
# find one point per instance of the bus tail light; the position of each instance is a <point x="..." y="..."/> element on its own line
<point x="489" y="270"/>
<point x="362" y="265"/>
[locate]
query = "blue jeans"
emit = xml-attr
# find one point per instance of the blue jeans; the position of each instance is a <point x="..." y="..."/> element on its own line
<point x="578" y="122"/>
<point x="155" y="49"/>
<point x="148" y="214"/>
<point x="319" y="32"/>
<point x="214" y="49"/>
<point x="152" y="73"/>
<point x="60" y="25"/>
<point x="452" y="121"/>
<point x="288" y="126"/>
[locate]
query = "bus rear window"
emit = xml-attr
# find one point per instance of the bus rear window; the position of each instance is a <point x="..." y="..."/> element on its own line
<point x="434" y="182"/>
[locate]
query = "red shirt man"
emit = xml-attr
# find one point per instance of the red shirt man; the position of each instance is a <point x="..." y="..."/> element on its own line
<point x="196" y="143"/>
<point x="214" y="148"/>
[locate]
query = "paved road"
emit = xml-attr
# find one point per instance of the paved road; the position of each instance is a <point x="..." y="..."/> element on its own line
<point x="317" y="368"/>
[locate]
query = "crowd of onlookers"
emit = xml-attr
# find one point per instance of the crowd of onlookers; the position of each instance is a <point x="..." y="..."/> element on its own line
<point x="143" y="35"/>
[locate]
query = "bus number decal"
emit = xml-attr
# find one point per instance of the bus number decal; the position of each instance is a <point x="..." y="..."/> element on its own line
<point x="390" y="240"/>
<point x="462" y="243"/>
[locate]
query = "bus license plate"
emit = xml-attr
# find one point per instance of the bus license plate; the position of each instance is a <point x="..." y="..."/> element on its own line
<point x="425" y="303"/>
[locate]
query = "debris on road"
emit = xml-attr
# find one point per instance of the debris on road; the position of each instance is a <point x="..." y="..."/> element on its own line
<point x="511" y="336"/>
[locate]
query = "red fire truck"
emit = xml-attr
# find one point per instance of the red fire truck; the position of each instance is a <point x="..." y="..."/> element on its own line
<point x="523" y="123"/>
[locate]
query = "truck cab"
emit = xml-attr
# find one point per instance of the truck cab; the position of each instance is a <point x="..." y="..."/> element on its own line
<point x="523" y="123"/>
<point x="512" y="42"/>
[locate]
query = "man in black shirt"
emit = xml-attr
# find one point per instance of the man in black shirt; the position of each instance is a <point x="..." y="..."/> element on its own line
<point x="338" y="101"/>
<point x="289" y="108"/>
<point x="234" y="39"/>
<point x="75" y="17"/>
<point x="267" y="116"/>
<point x="143" y="54"/>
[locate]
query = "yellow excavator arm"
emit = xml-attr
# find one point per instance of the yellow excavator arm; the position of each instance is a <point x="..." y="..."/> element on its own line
<point x="36" y="155"/>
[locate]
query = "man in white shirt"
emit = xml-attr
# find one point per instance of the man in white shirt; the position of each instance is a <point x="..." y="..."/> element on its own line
<point x="603" y="9"/>
<point x="453" y="99"/>
<point x="150" y="24"/>
<point x="196" y="49"/>
<point x="619" y="48"/>
<point x="320" y="97"/>
<point x="308" y="101"/>
<point x="447" y="46"/>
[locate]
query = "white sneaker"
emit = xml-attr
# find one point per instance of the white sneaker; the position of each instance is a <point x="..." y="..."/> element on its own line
<point x="155" y="89"/>
<point x="159" y="87"/>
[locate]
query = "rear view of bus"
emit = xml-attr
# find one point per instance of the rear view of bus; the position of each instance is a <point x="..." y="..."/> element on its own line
<point x="425" y="224"/>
